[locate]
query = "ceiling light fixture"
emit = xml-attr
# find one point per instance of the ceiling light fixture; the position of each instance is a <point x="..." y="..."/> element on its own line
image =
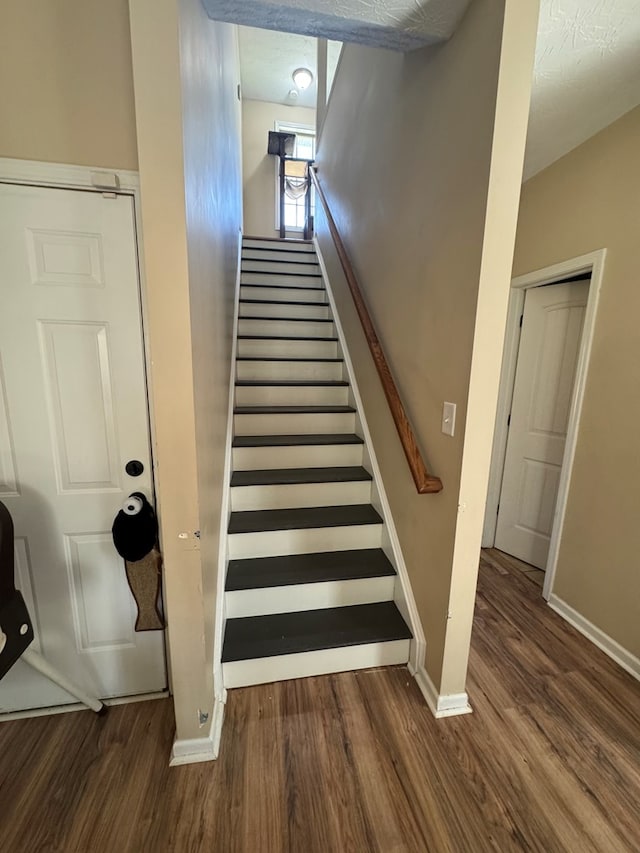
<point x="303" y="78"/>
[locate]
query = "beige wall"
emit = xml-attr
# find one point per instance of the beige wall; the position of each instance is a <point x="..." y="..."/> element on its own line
<point x="67" y="90"/>
<point x="185" y="72"/>
<point x="259" y="176"/>
<point x="406" y="158"/>
<point x="590" y="199"/>
<point x="213" y="183"/>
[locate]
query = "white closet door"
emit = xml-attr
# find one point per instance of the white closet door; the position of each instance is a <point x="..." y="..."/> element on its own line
<point x="545" y="374"/>
<point x="73" y="411"/>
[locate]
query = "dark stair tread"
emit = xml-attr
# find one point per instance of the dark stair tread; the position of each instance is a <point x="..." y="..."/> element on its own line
<point x="292" y="383"/>
<point x="281" y="338"/>
<point x="277" y="247"/>
<point x="322" y="567"/>
<point x="297" y="261"/>
<point x="293" y="476"/>
<point x="284" y="358"/>
<point x="293" y="440"/>
<point x="282" y="286"/>
<point x="279" y="272"/>
<point x="292" y="319"/>
<point x="293" y="410"/>
<point x="287" y="241"/>
<point x="259" y="521"/>
<point x="283" y="302"/>
<point x="310" y="630"/>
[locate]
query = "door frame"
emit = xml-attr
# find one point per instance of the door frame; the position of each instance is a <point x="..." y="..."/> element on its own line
<point x="592" y="263"/>
<point x="122" y="182"/>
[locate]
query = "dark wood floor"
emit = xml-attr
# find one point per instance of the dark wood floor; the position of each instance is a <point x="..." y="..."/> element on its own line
<point x="500" y="560"/>
<point x="549" y="760"/>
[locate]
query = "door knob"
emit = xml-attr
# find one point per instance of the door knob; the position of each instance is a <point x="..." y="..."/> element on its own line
<point x="134" y="468"/>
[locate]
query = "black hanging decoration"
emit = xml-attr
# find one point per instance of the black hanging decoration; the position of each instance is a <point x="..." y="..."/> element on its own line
<point x="135" y="535"/>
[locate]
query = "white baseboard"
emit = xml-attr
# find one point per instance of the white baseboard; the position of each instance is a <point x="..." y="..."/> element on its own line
<point x="603" y="641"/>
<point x="78" y="706"/>
<point x="451" y="705"/>
<point x="195" y="750"/>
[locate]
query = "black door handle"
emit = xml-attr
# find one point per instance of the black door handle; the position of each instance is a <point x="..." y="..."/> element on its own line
<point x="134" y="468"/>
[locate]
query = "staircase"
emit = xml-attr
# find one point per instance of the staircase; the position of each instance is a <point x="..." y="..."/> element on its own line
<point x="309" y="588"/>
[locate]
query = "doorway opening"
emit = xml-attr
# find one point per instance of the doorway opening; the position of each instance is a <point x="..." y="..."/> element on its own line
<point x="293" y="186"/>
<point x="278" y="200"/>
<point x="549" y="334"/>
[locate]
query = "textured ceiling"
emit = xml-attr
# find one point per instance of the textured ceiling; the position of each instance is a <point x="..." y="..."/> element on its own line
<point x="268" y="59"/>
<point x="587" y="71"/>
<point x="395" y="24"/>
<point x="587" y="74"/>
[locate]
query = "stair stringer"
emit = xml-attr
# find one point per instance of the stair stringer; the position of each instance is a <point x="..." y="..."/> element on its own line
<point x="225" y="512"/>
<point x="403" y="592"/>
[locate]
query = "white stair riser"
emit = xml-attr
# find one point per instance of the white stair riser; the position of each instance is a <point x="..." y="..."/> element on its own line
<point x="277" y="245"/>
<point x="288" y="424"/>
<point x="272" y="279"/>
<point x="307" y="596"/>
<point x="296" y="456"/>
<point x="274" y="543"/>
<point x="271" y="295"/>
<point x="289" y="371"/>
<point x="287" y="349"/>
<point x="344" y="659"/>
<point x="278" y="255"/>
<point x="286" y="328"/>
<point x="284" y="294"/>
<point x="298" y="495"/>
<point x="309" y="311"/>
<point x="294" y="266"/>
<point x="292" y="395"/>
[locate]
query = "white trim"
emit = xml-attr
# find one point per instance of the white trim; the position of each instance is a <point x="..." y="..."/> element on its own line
<point x="329" y="94"/>
<point x="40" y="173"/>
<point x="592" y="262"/>
<point x="603" y="641"/>
<point x="245" y="673"/>
<point x="417" y="646"/>
<point x="129" y="183"/>
<point x="452" y="705"/>
<point x="195" y="750"/>
<point x="295" y="126"/>
<point x="225" y="510"/>
<point x="78" y="706"/>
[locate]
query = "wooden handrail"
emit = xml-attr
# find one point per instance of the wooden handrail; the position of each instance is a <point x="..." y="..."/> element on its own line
<point x="426" y="483"/>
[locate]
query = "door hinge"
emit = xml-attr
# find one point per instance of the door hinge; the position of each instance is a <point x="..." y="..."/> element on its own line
<point x="521" y="319"/>
<point x="509" y="420"/>
<point x="108" y="181"/>
<point x="497" y="509"/>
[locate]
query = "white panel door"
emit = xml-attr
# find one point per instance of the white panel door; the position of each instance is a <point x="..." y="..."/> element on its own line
<point x="73" y="411"/>
<point x="547" y="360"/>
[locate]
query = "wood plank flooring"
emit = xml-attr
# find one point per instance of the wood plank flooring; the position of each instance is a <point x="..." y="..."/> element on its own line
<point x="506" y="561"/>
<point x="549" y="760"/>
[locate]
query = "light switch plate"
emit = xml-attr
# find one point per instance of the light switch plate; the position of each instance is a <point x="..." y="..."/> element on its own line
<point x="448" y="418"/>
